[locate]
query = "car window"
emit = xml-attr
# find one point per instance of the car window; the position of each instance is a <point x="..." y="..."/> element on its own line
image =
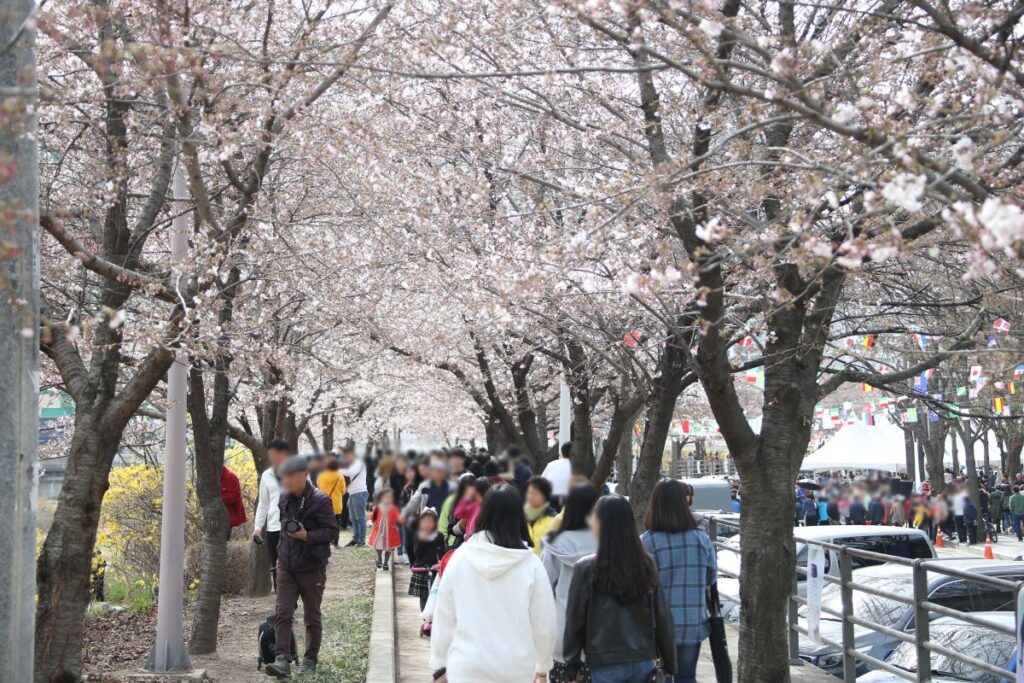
<point x="989" y="646"/>
<point x="958" y="595"/>
<point x="869" y="543"/>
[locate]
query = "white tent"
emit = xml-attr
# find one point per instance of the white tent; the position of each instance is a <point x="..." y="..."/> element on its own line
<point x="860" y="446"/>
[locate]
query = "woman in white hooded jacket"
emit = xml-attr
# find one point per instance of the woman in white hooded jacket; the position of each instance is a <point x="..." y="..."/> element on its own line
<point x="567" y="545"/>
<point x="502" y="627"/>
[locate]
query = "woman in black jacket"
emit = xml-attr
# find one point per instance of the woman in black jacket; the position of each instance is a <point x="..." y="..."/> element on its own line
<point x="617" y="615"/>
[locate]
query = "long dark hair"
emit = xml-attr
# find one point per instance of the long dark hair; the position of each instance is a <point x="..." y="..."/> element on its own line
<point x="503" y="519"/>
<point x="578" y="506"/>
<point x="669" y="510"/>
<point x="623" y="568"/>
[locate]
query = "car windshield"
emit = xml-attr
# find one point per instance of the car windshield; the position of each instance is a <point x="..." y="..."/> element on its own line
<point x="981" y="643"/>
<point x="884" y="611"/>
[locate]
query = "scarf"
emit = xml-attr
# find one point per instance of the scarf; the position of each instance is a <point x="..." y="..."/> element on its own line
<point x="533" y="514"/>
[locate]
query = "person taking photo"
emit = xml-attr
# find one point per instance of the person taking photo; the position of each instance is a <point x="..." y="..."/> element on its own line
<point x="308" y="526"/>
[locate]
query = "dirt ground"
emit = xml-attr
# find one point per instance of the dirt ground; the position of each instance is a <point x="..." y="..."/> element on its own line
<point x="117" y="642"/>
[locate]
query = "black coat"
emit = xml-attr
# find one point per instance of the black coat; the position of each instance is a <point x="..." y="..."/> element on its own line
<point x="428" y="553"/>
<point x="610" y="632"/>
<point x="314" y="511"/>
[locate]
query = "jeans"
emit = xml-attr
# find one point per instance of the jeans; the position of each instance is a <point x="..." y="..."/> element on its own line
<point x="686" y="662"/>
<point x="401" y="545"/>
<point x="357" y="513"/>
<point x="1017" y="519"/>
<point x="633" y="672"/>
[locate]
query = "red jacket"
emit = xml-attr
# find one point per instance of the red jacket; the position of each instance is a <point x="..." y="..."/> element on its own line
<point x="394" y="539"/>
<point x="231" y="494"/>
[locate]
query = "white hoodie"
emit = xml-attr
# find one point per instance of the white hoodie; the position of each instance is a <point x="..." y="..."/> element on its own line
<point x="494" y="621"/>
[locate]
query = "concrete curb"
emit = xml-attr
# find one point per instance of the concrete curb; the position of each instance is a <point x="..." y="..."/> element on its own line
<point x="383" y="640"/>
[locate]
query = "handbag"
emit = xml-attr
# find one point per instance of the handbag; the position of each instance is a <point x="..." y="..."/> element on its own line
<point x="657" y="673"/>
<point x="716" y="639"/>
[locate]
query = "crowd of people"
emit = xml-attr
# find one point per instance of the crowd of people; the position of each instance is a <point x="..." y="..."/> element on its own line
<point x="952" y="513"/>
<point x="520" y="577"/>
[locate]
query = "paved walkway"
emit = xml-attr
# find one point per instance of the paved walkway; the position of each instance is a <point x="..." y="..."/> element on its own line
<point x="414" y="652"/>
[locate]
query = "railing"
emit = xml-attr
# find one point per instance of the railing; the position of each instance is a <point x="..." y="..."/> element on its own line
<point x="923" y="609"/>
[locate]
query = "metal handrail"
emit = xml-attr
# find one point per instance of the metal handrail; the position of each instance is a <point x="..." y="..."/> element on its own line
<point x="924" y="609"/>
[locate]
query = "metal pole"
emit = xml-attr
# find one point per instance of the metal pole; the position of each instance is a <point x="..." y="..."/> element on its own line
<point x="846" y="595"/>
<point x="921" y="623"/>
<point x="168" y="653"/>
<point x="564" y="414"/>
<point x="19" y="341"/>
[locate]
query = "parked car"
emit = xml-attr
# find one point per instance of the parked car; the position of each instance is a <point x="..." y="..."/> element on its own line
<point x="991" y="647"/>
<point x="951" y="592"/>
<point x="888" y="540"/>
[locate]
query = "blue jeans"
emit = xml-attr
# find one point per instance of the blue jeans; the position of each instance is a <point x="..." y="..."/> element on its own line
<point x="357" y="513"/>
<point x="633" y="672"/>
<point x="686" y="662"/>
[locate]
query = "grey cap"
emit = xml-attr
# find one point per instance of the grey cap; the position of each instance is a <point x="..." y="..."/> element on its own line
<point x="296" y="463"/>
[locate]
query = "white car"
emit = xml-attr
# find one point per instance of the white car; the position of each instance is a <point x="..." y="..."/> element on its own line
<point x="989" y="646"/>
<point x="887" y="540"/>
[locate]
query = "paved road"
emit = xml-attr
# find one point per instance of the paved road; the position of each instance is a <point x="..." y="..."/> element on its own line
<point x="414" y="652"/>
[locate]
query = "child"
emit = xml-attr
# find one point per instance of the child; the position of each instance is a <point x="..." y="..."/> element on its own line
<point x="385" y="537"/>
<point x="428" y="548"/>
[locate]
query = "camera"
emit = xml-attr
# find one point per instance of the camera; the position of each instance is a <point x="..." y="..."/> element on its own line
<point x="291" y="525"/>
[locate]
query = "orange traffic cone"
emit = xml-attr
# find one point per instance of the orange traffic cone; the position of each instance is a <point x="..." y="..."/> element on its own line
<point x="938" y="541"/>
<point x="989" y="555"/>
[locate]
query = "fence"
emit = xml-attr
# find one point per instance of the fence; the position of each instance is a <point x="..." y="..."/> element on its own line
<point x="922" y="606"/>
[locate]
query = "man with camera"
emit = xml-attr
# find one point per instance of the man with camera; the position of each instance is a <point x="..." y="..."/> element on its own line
<point x="308" y="526"/>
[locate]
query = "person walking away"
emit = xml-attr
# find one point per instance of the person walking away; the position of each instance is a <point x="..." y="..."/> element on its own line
<point x="1016" y="506"/>
<point x="384" y="537"/>
<point x="857" y="513"/>
<point x="502" y="627"/>
<point x="617" y="614"/>
<point x="559" y="472"/>
<point x="539" y="513"/>
<point x="560" y="551"/>
<point x="355" y="470"/>
<point x="971" y="520"/>
<point x="231" y="494"/>
<point x="957" y="506"/>
<point x="995" y="502"/>
<point x="332" y="483"/>
<point x="809" y="510"/>
<point x="428" y="548"/>
<point x="687" y="567"/>
<point x="876" y="510"/>
<point x="267" y="525"/>
<point x="308" y="526"/>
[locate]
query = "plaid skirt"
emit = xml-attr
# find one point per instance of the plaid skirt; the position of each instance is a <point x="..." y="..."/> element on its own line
<point x="419" y="584"/>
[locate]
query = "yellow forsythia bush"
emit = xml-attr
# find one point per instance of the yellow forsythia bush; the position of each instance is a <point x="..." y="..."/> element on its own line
<point x="129" y="533"/>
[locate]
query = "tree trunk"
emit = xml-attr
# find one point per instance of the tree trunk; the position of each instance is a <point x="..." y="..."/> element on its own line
<point x="908" y="442"/>
<point x="64" y="566"/>
<point x="1014" y="445"/>
<point x="624" y="460"/>
<point x="667" y="387"/>
<point x="209" y="445"/>
<point x="620" y="431"/>
<point x="578" y="377"/>
<point x="766" y="520"/>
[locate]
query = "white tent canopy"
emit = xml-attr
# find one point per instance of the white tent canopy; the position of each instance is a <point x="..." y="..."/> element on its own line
<point x="860" y="446"/>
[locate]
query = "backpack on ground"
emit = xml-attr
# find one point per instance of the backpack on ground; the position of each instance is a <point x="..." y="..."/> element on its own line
<point x="268" y="644"/>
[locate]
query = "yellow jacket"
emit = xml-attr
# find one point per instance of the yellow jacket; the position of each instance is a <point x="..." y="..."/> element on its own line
<point x="539" y="528"/>
<point x="332" y="482"/>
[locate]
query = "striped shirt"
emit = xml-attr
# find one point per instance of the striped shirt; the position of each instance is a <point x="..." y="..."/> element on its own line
<point x="686" y="567"/>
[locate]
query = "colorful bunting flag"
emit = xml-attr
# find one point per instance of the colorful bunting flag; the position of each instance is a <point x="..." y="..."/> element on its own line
<point x="1001" y="326"/>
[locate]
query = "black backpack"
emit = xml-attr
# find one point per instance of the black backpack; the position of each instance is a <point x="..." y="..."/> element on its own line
<point x="268" y="644"/>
